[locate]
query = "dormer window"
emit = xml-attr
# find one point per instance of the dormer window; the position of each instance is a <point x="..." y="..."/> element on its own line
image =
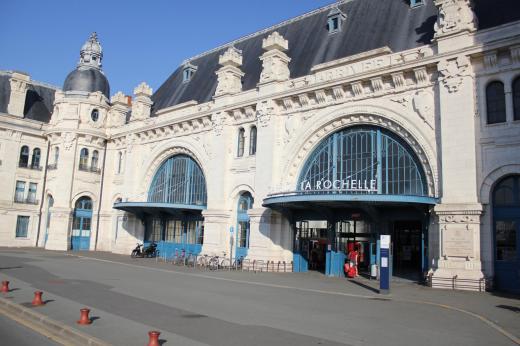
<point x="335" y="20"/>
<point x="415" y="3"/>
<point x="188" y="71"/>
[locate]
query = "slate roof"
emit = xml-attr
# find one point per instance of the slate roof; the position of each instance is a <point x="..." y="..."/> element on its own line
<point x="370" y="24"/>
<point x="39" y="99"/>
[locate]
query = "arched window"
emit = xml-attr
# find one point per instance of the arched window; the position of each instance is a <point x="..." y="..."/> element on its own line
<point x="245" y="202"/>
<point x="252" y="141"/>
<point x="506" y="225"/>
<point x="83" y="159"/>
<point x="56" y="155"/>
<point x="24" y="156"/>
<point x="241" y="142"/>
<point x="35" y="162"/>
<point x="95" y="158"/>
<point x="516" y="98"/>
<point x="84" y="203"/>
<point x="119" y="162"/>
<point x="496" y="103"/>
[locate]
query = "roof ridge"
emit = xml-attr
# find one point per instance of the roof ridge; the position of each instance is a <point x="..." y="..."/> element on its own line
<point x="276" y="26"/>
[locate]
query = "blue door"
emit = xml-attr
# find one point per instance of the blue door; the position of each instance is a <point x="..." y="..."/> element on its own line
<point x="506" y="230"/>
<point x="245" y="202"/>
<point x="81" y="226"/>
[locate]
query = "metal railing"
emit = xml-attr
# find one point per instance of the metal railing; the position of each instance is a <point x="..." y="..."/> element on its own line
<point x="25" y="200"/>
<point x="455" y="283"/>
<point x="28" y="166"/>
<point x="87" y="168"/>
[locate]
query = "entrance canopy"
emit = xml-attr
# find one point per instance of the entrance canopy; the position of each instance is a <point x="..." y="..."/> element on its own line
<point x="357" y="166"/>
<point x="178" y="190"/>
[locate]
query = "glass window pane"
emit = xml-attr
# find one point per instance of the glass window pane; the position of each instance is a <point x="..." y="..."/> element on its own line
<point x="516" y="98"/>
<point x="496" y="103"/>
<point x="505" y="238"/>
<point x="22" y="226"/>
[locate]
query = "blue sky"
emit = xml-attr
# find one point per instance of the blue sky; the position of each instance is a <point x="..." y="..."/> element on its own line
<point x="142" y="40"/>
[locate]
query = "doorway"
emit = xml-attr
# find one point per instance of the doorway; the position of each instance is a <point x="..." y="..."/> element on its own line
<point x="407" y="249"/>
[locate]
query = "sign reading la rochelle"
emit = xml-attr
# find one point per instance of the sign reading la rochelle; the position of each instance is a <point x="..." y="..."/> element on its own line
<point x="350" y="185"/>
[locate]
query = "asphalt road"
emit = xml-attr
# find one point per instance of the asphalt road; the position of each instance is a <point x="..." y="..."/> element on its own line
<point x="12" y="333"/>
<point x="236" y="308"/>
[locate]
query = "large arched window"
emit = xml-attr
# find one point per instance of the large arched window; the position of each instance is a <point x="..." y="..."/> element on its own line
<point x="179" y="180"/>
<point x="495" y="103"/>
<point x="35" y="162"/>
<point x="252" y="141"/>
<point x="95" y="159"/>
<point x="241" y="142"/>
<point x="363" y="160"/>
<point x="24" y="156"/>
<point x="83" y="159"/>
<point x="516" y="98"/>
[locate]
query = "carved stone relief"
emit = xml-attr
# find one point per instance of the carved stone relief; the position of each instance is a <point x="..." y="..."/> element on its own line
<point x="453" y="72"/>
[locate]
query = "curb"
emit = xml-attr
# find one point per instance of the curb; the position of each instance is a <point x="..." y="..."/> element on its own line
<point x="50" y="328"/>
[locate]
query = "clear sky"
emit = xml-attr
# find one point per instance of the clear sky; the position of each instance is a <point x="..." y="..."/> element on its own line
<point x="142" y="40"/>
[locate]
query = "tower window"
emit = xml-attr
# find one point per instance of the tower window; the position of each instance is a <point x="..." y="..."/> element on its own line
<point x="94" y="115"/>
<point x="241" y="142"/>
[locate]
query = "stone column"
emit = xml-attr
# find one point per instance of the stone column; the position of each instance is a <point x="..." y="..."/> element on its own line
<point x="260" y="243"/>
<point x="216" y="232"/>
<point x="19" y="83"/>
<point x="455" y="237"/>
<point x="229" y="75"/>
<point x="61" y="222"/>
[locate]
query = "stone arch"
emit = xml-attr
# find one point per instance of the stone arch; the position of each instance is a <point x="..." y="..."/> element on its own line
<point x="165" y="151"/>
<point x="492" y="178"/>
<point x="325" y="124"/>
<point x="237" y="191"/>
<point x="84" y="194"/>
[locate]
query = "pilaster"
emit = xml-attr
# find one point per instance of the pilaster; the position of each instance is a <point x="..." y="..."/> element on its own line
<point x="19" y="83"/>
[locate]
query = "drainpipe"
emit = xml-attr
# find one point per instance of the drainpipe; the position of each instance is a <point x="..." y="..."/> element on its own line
<point x="100" y="194"/>
<point x="43" y="194"/>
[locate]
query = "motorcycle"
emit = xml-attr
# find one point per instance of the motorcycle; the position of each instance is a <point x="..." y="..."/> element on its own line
<point x="148" y="252"/>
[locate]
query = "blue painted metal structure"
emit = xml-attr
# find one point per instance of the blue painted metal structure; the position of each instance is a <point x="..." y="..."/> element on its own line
<point x="506" y="226"/>
<point x="172" y="213"/>
<point x="245" y="202"/>
<point x="357" y="166"/>
<point x="82" y="223"/>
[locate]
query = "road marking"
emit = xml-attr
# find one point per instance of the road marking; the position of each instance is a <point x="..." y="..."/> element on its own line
<point x="371" y="297"/>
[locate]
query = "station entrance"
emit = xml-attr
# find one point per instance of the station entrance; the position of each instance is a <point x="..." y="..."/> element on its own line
<point x="357" y="184"/>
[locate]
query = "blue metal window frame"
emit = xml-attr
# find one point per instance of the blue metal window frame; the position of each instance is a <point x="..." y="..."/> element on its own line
<point x="24" y="156"/>
<point x="82" y="217"/>
<point x="245" y="202"/>
<point x="22" y="226"/>
<point x="35" y="161"/>
<point x="362" y="153"/>
<point x="416" y="3"/>
<point x="179" y="180"/>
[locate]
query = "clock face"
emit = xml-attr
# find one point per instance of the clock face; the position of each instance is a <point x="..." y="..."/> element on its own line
<point x="94" y="115"/>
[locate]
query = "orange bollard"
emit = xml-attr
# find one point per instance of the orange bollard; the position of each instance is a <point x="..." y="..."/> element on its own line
<point x="84" y="319"/>
<point x="154" y="338"/>
<point x="5" y="287"/>
<point x="37" y="301"/>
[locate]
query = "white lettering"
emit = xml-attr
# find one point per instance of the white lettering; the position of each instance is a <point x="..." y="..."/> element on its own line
<point x="327" y="184"/>
<point x="353" y="184"/>
<point x="318" y="185"/>
<point x="308" y="186"/>
<point x="336" y="184"/>
<point x="373" y="185"/>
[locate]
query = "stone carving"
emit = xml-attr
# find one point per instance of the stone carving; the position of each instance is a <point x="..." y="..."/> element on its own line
<point x="264" y="111"/>
<point x="130" y="141"/>
<point x="217" y="122"/>
<point x="68" y="140"/>
<point x="455" y="16"/>
<point x="275" y="63"/>
<point x="229" y="76"/>
<point x="403" y="100"/>
<point x="453" y="72"/>
<point x="423" y="105"/>
<point x="515" y="54"/>
<point x="292" y="123"/>
<point x="142" y="104"/>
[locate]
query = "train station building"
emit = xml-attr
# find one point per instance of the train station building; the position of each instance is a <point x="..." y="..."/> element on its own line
<point x="299" y="143"/>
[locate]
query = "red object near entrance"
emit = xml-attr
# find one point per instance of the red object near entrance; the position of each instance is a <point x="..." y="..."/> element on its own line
<point x="351" y="273"/>
<point x="346" y="268"/>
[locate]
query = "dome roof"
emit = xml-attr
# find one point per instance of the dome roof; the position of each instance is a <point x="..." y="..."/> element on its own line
<point x="90" y="80"/>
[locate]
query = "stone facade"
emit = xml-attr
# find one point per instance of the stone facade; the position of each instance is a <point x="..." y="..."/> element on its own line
<point x="433" y="97"/>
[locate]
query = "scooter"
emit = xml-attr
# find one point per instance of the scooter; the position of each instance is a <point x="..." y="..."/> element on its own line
<point x="149" y="252"/>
